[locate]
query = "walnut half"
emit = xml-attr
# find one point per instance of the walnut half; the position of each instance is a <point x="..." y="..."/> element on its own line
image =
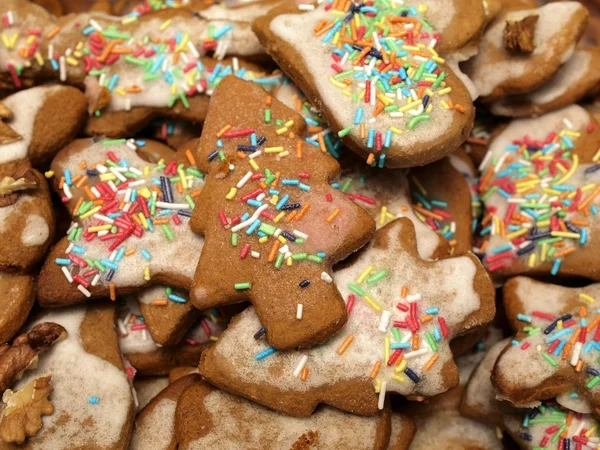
<point x="7" y="134"/>
<point x="23" y="353"/>
<point x="519" y="34"/>
<point x="22" y="417"/>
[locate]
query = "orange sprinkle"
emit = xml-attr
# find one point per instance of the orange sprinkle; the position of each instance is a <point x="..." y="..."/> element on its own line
<point x="459" y="108"/>
<point x="304" y="374"/>
<point x="569" y="418"/>
<point x="363" y="133"/>
<point x="111" y="289"/>
<point x="190" y="157"/>
<point x="82" y="180"/>
<point x="426" y="212"/>
<point x="159" y="303"/>
<point x="269" y="100"/>
<point x="161" y="222"/>
<point x="415" y="342"/>
<point x="582" y="311"/>
<point x="301" y="213"/>
<point x="108" y="50"/>
<point x="579" y="366"/>
<point x="322" y="143"/>
<point x="376" y="368"/>
<point x="224" y="130"/>
<point x="315" y="129"/>
<point x="429" y="364"/>
<point x="567" y="351"/>
<point x="345" y="344"/>
<point x="273" y="252"/>
<point x="89" y="193"/>
<point x="320" y="26"/>
<point x="564" y="252"/>
<point x="77" y="205"/>
<point x="370" y="158"/>
<point x="404" y="291"/>
<point x="130" y="252"/>
<point x="195" y="193"/>
<point x="427" y="318"/>
<point x="291" y="216"/>
<point x="333" y="215"/>
<point x="61" y="182"/>
<point x="53" y="32"/>
<point x="299" y="149"/>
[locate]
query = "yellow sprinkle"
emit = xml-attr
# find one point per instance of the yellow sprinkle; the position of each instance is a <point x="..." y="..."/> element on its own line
<point x="91" y="212"/>
<point x="372" y="303"/>
<point x="289" y="261"/>
<point x="439" y="60"/>
<point x="587" y="298"/>
<point x="263" y="239"/>
<point x="400" y="367"/>
<point x="398" y="378"/>
<point x="147" y="273"/>
<point x="596" y="156"/>
<point x="571" y="170"/>
<point x="39" y="58"/>
<point x="283" y="154"/>
<point x="274" y="200"/>
<point x="531" y="261"/>
<point x="544" y="252"/>
<point x="565" y="234"/>
<point x="231" y="194"/>
<point x="396" y="130"/>
<point x="543" y="223"/>
<point x="516" y="234"/>
<point x="282" y="240"/>
<point x="72" y="62"/>
<point x="337" y="83"/>
<point x="281" y="131"/>
<point x="130" y="19"/>
<point x="444" y="104"/>
<point x="383" y="215"/>
<point x="146" y="170"/>
<point x="444" y="91"/>
<point x="591" y="431"/>
<point x="377" y="386"/>
<point x="363" y="276"/>
<point x="165" y="24"/>
<point x="143" y="220"/>
<point x="145" y="192"/>
<point x="273" y="149"/>
<point x="410" y="105"/>
<point x="386" y="349"/>
<point x="107" y="176"/>
<point x="99" y="228"/>
<point x="279" y="216"/>
<point x="559" y="325"/>
<point x="49" y="174"/>
<point x="253" y="164"/>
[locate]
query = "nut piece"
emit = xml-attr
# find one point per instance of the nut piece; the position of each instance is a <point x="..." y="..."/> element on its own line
<point x="519" y="34"/>
<point x="24" y="410"/>
<point x="23" y="179"/>
<point x="7" y="134"/>
<point x="98" y="96"/>
<point x="23" y="353"/>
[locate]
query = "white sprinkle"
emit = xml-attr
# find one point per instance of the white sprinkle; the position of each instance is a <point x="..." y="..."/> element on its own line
<point x="299" y="311"/>
<point x="244" y="180"/>
<point x="63" y="68"/>
<point x="396" y="114"/>
<point x="255" y="254"/>
<point x="300" y="234"/>
<point x="67" y="274"/>
<point x="117" y="174"/>
<point x="486" y="160"/>
<point x="101" y="168"/>
<point x="256" y="154"/>
<point x="500" y="163"/>
<point x="137" y="183"/>
<point x="51" y="51"/>
<point x="84" y="291"/>
<point x="69" y="248"/>
<point x="326" y="278"/>
<point x="306" y="7"/>
<point x="236" y="64"/>
<point x="122" y="328"/>
<point x="193" y="49"/>
<point x="384" y="321"/>
<point x="246" y="223"/>
<point x="167" y="205"/>
<point x="568" y="123"/>
<point x="95" y="24"/>
<point x="284" y="249"/>
<point x="576" y="353"/>
<point x="416" y="353"/>
<point x="413" y="298"/>
<point x="261" y="197"/>
<point x="300" y="365"/>
<point x="382" y="391"/>
<point x="96" y="279"/>
<point x="67" y="191"/>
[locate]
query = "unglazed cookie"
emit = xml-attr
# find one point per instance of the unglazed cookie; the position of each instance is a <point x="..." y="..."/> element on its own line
<point x="540" y="189"/>
<point x="155" y="424"/>
<point x="553" y="356"/>
<point x="92" y="399"/>
<point x="575" y="79"/>
<point x="18" y="295"/>
<point x="530" y="428"/>
<point x="149" y="358"/>
<point x="403" y="312"/>
<point x="26" y="217"/>
<point x="497" y="72"/>
<point x="146" y="203"/>
<point x="399" y="117"/>
<point x="46" y="118"/>
<point x="207" y="418"/>
<point x="273" y="224"/>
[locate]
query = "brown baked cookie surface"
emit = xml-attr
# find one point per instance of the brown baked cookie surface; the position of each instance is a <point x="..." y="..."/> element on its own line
<point x="18" y="295"/>
<point x="381" y="349"/>
<point x="390" y="120"/>
<point x="273" y="224"/>
<point x="207" y="417"/>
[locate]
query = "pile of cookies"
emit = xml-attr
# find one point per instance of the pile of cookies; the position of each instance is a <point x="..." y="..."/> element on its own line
<point x="280" y="224"/>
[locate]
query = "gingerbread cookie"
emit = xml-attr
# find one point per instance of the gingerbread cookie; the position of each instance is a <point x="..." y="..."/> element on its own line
<point x="404" y="107"/>
<point x="35" y="123"/>
<point x="150" y="358"/>
<point x="91" y="400"/>
<point x="26" y="217"/>
<point x="540" y="190"/>
<point x="207" y="417"/>
<point x="551" y="32"/>
<point x="18" y="295"/>
<point x="404" y="311"/>
<point x="553" y="354"/>
<point x="440" y="424"/>
<point x="268" y="211"/>
<point x="575" y="79"/>
<point x="548" y="426"/>
<point x="146" y="388"/>
<point x="130" y="228"/>
<point x="155" y="424"/>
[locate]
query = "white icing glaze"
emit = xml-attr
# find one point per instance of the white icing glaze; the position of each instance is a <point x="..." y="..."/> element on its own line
<point x="493" y="66"/>
<point x="148" y="388"/>
<point x="36" y="231"/>
<point x="24" y="106"/>
<point x="238" y="424"/>
<point x="176" y="257"/>
<point x="11" y="210"/>
<point x="77" y="375"/>
<point x="447" y="286"/>
<point x="244" y="13"/>
<point x="156" y="430"/>
<point x="295" y="28"/>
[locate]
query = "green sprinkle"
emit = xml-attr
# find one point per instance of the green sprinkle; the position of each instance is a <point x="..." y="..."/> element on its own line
<point x="242" y="286"/>
<point x="113" y="141"/>
<point x="279" y="261"/>
<point x="347" y="185"/>
<point x="412" y="123"/>
<point x="188" y="199"/>
<point x="234" y="239"/>
<point x="315" y="258"/>
<point x="551" y="361"/>
<point x="344" y="132"/>
<point x="431" y="341"/>
<point x="167" y="231"/>
<point x="357" y="290"/>
<point x="593" y="382"/>
<point x="299" y="256"/>
<point x="377" y="277"/>
<point x="268" y="116"/>
<point x="396" y="333"/>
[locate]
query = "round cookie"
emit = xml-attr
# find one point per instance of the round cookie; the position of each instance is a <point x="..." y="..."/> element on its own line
<point x="26" y="217"/>
<point x="376" y="352"/>
<point x="496" y="72"/>
<point x="207" y="417"/>
<point x="46" y="118"/>
<point x="18" y="295"/>
<point x="92" y="399"/>
<point x="380" y="120"/>
<point x="575" y="79"/>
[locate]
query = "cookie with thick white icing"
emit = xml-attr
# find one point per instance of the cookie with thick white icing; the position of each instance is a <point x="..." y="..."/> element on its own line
<point x="46" y="119"/>
<point x="272" y="222"/>
<point x="207" y="417"/>
<point x="539" y="185"/>
<point x="553" y="354"/>
<point x="497" y="72"/>
<point x="27" y="219"/>
<point x="18" y="295"/>
<point x="92" y="397"/>
<point x="383" y="348"/>
<point x="390" y="116"/>
<point x="155" y="423"/>
<point x="130" y="226"/>
<point x="575" y="79"/>
<point x="146" y="388"/>
<point x="530" y="428"/>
